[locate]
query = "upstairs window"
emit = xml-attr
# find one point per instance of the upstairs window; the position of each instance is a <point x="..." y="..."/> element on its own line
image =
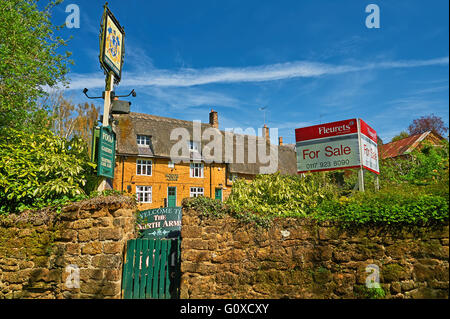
<point x="143" y="140"/>
<point x="144" y="167"/>
<point x="196" y="170"/>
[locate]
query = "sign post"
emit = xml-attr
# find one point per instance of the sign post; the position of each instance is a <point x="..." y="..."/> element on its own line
<point x="112" y="51"/>
<point x="345" y="144"/>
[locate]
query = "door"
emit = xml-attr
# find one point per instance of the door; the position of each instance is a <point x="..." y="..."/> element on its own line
<point x="219" y="194"/>
<point x="171" y="197"/>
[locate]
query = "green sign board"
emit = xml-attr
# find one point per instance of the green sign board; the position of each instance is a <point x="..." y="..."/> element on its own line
<point x="94" y="143"/>
<point x="106" y="152"/>
<point x="162" y="222"/>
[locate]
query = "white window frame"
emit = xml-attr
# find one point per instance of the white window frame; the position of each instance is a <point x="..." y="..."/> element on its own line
<point x="143" y="140"/>
<point x="143" y="191"/>
<point x="196" y="170"/>
<point x="197" y="191"/>
<point x="144" y="164"/>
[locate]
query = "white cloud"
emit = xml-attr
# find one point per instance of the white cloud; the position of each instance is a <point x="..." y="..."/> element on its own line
<point x="187" y="77"/>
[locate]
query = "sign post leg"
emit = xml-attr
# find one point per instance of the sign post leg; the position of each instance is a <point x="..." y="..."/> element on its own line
<point x="106" y="106"/>
<point x="377" y="183"/>
<point x="361" y="180"/>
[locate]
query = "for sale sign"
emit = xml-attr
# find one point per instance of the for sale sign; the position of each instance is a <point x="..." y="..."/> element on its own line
<point x="336" y="145"/>
<point x="369" y="147"/>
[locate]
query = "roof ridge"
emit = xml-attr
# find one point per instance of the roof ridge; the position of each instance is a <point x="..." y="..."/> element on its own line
<point x="156" y="117"/>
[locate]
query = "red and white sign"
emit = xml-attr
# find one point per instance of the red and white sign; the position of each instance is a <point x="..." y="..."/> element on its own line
<point x="369" y="147"/>
<point x="326" y="130"/>
<point x="336" y="145"/>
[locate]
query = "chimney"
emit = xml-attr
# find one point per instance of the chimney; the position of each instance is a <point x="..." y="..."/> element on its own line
<point x="280" y="140"/>
<point x="213" y="119"/>
<point x="266" y="133"/>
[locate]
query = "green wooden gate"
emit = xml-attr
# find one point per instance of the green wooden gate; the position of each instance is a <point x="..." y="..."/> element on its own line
<point x="151" y="269"/>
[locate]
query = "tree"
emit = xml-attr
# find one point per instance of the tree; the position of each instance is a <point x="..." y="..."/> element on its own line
<point x="87" y="117"/>
<point x="428" y="123"/>
<point x="400" y="136"/>
<point x="68" y="120"/>
<point x="29" y="62"/>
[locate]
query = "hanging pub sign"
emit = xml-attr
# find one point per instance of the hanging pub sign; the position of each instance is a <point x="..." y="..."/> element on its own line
<point x="162" y="222"/>
<point x="112" y="48"/>
<point x="106" y="152"/>
<point x="337" y="145"/>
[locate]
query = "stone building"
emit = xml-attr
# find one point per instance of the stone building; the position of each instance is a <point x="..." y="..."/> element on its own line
<point x="148" y="166"/>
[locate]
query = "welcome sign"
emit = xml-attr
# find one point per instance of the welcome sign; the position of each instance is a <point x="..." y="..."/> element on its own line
<point x="162" y="222"/>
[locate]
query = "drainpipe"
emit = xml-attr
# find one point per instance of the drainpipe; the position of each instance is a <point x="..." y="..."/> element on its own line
<point x="123" y="164"/>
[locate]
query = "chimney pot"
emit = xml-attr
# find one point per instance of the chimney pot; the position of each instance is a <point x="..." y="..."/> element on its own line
<point x="280" y="140"/>
<point x="266" y="133"/>
<point x="214" y="119"/>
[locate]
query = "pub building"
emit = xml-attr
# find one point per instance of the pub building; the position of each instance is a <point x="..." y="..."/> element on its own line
<point x="144" y="167"/>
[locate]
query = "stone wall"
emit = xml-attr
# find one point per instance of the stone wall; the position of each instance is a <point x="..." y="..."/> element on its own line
<point x="36" y="248"/>
<point x="223" y="258"/>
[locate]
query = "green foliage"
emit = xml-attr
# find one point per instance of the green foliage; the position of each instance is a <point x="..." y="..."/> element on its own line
<point x="29" y="62"/>
<point x="281" y="195"/>
<point x="424" y="167"/>
<point x="41" y="169"/>
<point x="400" y="136"/>
<point x="395" y="205"/>
<point x="414" y="191"/>
<point x="369" y="293"/>
<point x="207" y="207"/>
<point x="213" y="208"/>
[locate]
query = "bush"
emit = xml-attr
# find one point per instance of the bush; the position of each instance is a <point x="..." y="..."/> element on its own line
<point x="406" y="205"/>
<point x="41" y="169"/>
<point x="281" y="195"/>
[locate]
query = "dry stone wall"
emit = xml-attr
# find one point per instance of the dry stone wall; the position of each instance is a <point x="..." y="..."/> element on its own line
<point x="224" y="258"/>
<point x="40" y="250"/>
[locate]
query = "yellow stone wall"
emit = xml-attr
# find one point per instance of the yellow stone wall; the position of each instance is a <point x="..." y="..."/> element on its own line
<point x="214" y="177"/>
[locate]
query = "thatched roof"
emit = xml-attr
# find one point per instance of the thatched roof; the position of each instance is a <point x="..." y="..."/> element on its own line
<point x="161" y="128"/>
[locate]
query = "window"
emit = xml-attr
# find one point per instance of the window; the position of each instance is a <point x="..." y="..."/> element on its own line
<point x="196" y="170"/>
<point x="144" y="194"/>
<point x="171" y="164"/>
<point x="196" y="191"/>
<point x="144" y="167"/>
<point x="143" y="140"/>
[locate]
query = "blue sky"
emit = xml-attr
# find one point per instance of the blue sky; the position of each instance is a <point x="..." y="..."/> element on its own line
<point x="308" y="62"/>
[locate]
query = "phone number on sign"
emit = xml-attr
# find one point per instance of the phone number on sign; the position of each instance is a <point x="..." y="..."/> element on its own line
<point x="328" y="164"/>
